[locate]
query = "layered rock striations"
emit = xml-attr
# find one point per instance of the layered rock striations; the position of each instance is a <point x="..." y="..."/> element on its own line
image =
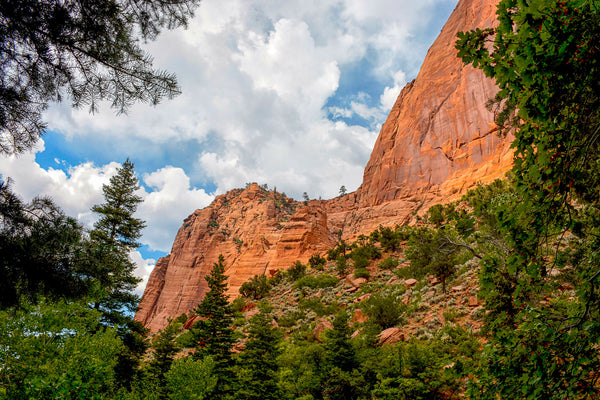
<point x="439" y="139"/>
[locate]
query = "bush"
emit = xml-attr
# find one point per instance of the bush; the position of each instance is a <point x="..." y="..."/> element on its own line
<point x="384" y="310"/>
<point x="256" y="288"/>
<point x="317" y="262"/>
<point x="341" y="265"/>
<point x="332" y="254"/>
<point x="318" y="307"/>
<point x="296" y="271"/>
<point x="367" y="251"/>
<point x="435" y="215"/>
<point x="360" y="262"/>
<point x="290" y="319"/>
<point x="191" y="379"/>
<point x="389" y="239"/>
<point x="389" y="263"/>
<point x="314" y="282"/>
<point x="361" y="273"/>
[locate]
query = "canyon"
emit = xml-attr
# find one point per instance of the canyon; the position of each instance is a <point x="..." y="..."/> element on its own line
<point x="438" y="141"/>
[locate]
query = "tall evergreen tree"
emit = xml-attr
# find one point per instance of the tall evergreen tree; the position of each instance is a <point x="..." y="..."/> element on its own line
<point x="214" y="334"/>
<point x="114" y="236"/>
<point x="39" y="250"/>
<point x="343" y="381"/>
<point x="258" y="362"/>
<point x="164" y="348"/>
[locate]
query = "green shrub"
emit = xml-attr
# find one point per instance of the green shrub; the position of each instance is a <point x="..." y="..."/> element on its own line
<point x="296" y="271"/>
<point x="256" y="288"/>
<point x="368" y="251"/>
<point x="290" y="319"/>
<point x="317" y="262"/>
<point x="389" y="239"/>
<point x="384" y="310"/>
<point x="361" y="273"/>
<point x="332" y="254"/>
<point x="435" y="215"/>
<point x="191" y="379"/>
<point x="389" y="263"/>
<point x="360" y="262"/>
<point x="341" y="265"/>
<point x="318" y="307"/>
<point x="277" y="278"/>
<point x="315" y="282"/>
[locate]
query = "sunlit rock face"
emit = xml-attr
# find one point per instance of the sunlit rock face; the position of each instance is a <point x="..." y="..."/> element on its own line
<point x="257" y="231"/>
<point x="438" y="141"/>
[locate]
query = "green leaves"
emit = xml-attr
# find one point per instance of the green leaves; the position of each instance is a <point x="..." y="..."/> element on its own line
<point x="57" y="350"/>
<point x="544" y="59"/>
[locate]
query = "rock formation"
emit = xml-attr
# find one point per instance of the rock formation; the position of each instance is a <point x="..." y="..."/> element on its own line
<point x="256" y="231"/>
<point x="438" y="141"/>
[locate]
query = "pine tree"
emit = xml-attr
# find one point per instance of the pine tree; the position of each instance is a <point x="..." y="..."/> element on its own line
<point x="86" y="51"/>
<point x="117" y="226"/>
<point x="164" y="348"/>
<point x="39" y="250"/>
<point x="214" y="334"/>
<point x="343" y="380"/>
<point x="258" y="373"/>
<point x="114" y="235"/>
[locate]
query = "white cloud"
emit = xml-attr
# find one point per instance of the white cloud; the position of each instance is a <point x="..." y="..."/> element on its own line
<point x="75" y="191"/>
<point x="167" y="205"/>
<point x="390" y="93"/>
<point x="143" y="268"/>
<point x="80" y="188"/>
<point x="289" y="63"/>
<point x="256" y="77"/>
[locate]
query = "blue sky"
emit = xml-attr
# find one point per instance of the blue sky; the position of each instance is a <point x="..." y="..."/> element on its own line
<point x="289" y="93"/>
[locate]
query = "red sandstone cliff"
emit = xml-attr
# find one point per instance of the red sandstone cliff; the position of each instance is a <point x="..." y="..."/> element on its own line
<point x="255" y="230"/>
<point x="437" y="142"/>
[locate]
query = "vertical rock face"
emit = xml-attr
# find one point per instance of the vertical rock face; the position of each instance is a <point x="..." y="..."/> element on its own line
<point x="439" y="133"/>
<point x="437" y="142"/>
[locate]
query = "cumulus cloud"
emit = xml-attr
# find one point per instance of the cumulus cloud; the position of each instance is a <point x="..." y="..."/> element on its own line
<point x="167" y="205"/>
<point x="257" y="75"/>
<point x="390" y="93"/>
<point x="75" y="191"/>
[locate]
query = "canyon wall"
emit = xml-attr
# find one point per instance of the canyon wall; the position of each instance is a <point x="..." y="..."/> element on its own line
<point x="438" y="140"/>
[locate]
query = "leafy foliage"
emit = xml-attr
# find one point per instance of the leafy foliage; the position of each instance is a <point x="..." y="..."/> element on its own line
<point x="317" y="262"/>
<point x="256" y="288"/>
<point x="296" y="271"/>
<point x="544" y="58"/>
<point x="40" y="251"/>
<point x="384" y="309"/>
<point x="53" y="350"/>
<point x="318" y="281"/>
<point x="191" y="379"/>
